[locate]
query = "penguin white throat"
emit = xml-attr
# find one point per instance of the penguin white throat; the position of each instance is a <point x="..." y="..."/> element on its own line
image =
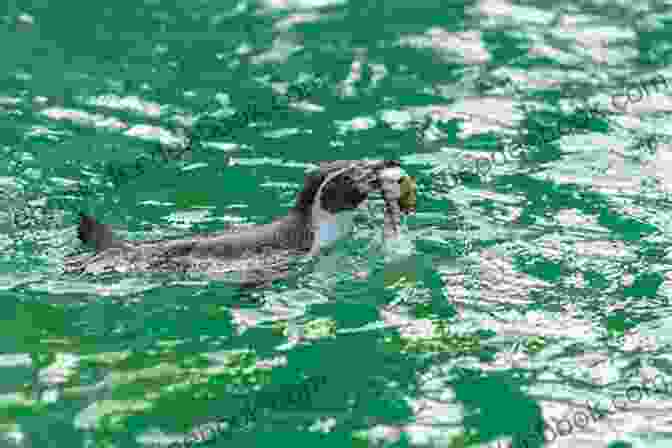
<point x="330" y="227"/>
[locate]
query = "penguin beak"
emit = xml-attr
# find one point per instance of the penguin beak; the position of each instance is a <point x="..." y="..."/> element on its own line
<point x="390" y="172"/>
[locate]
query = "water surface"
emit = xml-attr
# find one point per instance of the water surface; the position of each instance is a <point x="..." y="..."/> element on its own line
<point x="538" y="284"/>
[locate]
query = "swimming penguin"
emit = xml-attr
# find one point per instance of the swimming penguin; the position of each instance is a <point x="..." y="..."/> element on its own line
<point x="320" y="216"/>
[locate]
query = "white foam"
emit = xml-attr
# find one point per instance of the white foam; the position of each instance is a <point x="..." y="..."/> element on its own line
<point x="397" y="248"/>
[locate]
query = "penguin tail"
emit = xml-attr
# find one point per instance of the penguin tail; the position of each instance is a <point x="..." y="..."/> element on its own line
<point x="91" y="231"/>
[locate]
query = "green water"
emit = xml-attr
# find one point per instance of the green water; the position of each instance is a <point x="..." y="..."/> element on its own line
<point x="537" y="290"/>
